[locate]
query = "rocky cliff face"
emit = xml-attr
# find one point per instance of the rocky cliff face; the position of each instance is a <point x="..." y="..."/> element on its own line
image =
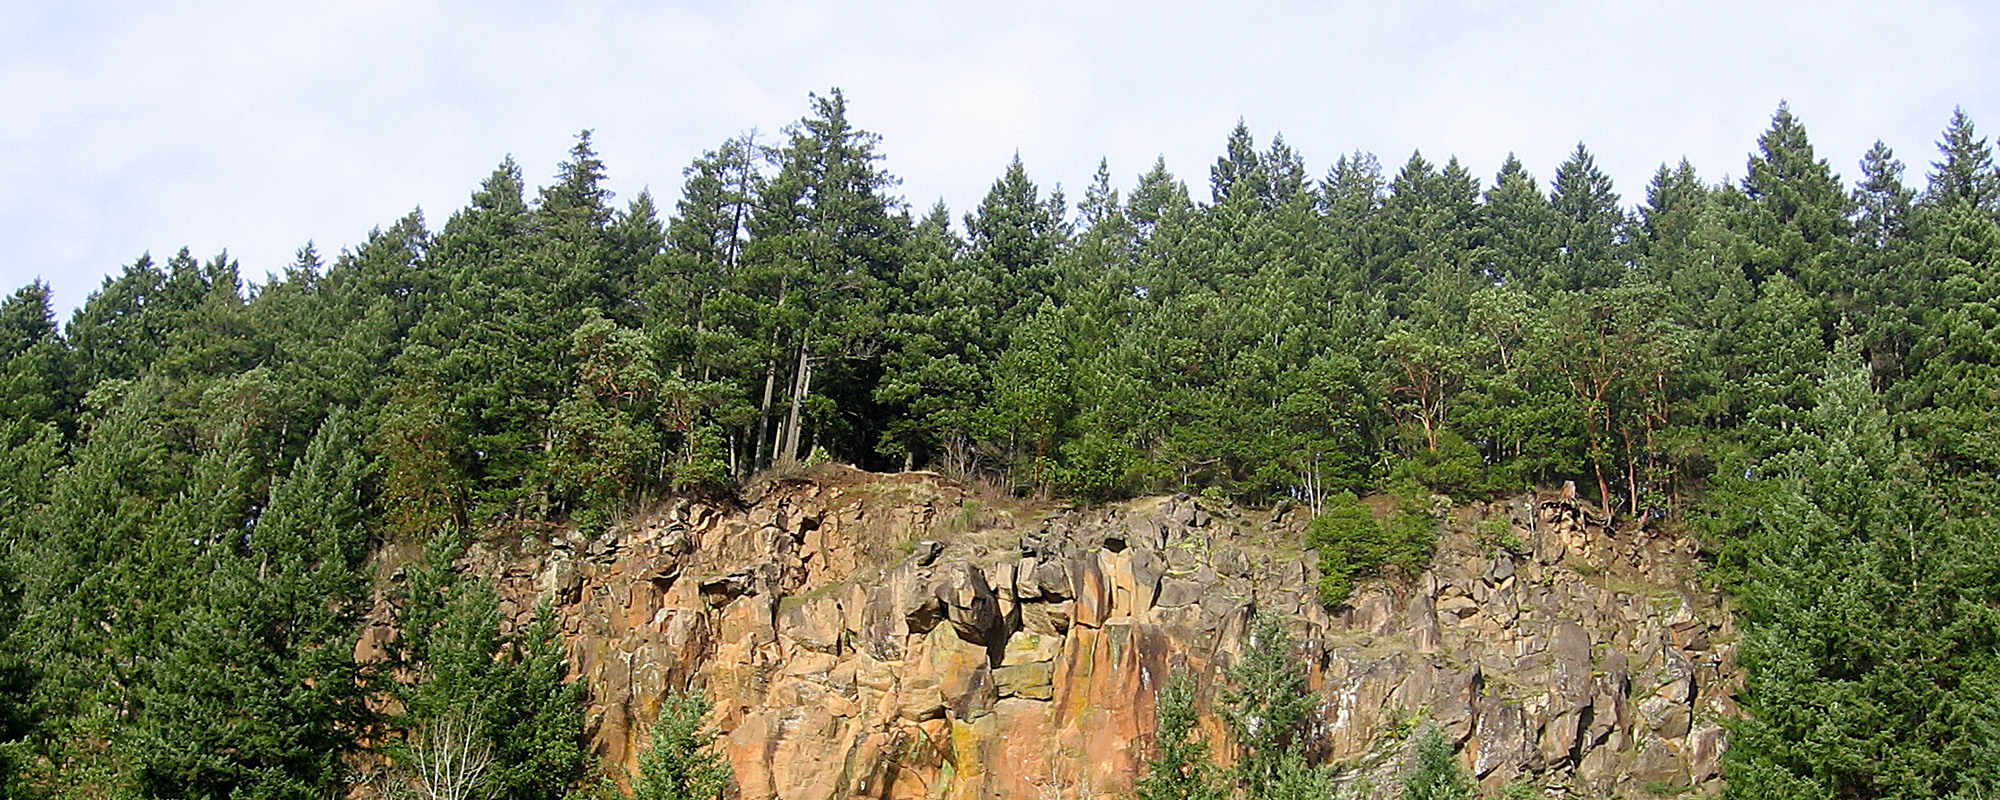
<point x="889" y="636"/>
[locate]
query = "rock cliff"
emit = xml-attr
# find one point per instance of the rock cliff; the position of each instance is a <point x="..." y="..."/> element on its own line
<point x="891" y="636"/>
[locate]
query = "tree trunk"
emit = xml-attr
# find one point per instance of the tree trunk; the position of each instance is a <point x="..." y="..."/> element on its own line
<point x="1603" y="490"/>
<point x="764" y="414"/>
<point x="735" y="468"/>
<point x="789" y="442"/>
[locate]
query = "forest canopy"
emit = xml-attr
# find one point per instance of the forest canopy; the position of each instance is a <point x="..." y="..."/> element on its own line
<point x="1803" y="369"/>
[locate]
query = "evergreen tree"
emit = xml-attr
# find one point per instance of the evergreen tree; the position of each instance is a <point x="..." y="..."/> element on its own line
<point x="702" y="315"/>
<point x="184" y="503"/>
<point x="1518" y="228"/>
<point x="1297" y="779"/>
<point x="1157" y="199"/>
<point x="1869" y="656"/>
<point x="1105" y="250"/>
<point x="1266" y="703"/>
<point x="257" y="692"/>
<point x="1967" y="173"/>
<point x="1351" y="200"/>
<point x="18" y="718"/>
<point x="1285" y="174"/>
<point x="1590" y="226"/>
<point x="1798" y="216"/>
<point x="681" y="762"/>
<point x="1180" y="768"/>
<point x="1238" y="173"/>
<point x="576" y="245"/>
<point x="637" y="241"/>
<point x="826" y="236"/>
<point x="1951" y="396"/>
<point x="507" y="690"/>
<point x="1891" y="296"/>
<point x="35" y="367"/>
<point x="945" y="336"/>
<point x="1429" y="227"/>
<point x="1779" y="361"/>
<point x="1437" y="775"/>
<point x="494" y="348"/>
<point x="1014" y="238"/>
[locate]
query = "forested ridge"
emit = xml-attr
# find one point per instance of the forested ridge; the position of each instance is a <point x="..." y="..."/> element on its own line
<point x="1803" y="370"/>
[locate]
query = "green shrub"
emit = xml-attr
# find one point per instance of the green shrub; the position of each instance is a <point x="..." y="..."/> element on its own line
<point x="1438" y="775"/>
<point x="1498" y="532"/>
<point x="1522" y="788"/>
<point x="1354" y="547"/>
<point x="1454" y="468"/>
<point x="1095" y="467"/>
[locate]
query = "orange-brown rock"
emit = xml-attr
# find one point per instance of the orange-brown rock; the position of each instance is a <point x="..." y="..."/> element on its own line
<point x="893" y="637"/>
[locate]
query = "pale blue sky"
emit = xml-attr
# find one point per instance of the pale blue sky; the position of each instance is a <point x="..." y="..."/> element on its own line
<point x="128" y="127"/>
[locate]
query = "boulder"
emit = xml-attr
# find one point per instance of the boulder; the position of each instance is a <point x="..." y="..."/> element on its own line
<point x="1501" y="739"/>
<point x="1704" y="753"/>
<point x="1569" y="649"/>
<point x="1093" y="591"/>
<point x="972" y="607"/>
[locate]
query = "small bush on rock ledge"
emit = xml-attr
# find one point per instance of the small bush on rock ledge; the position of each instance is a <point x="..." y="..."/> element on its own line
<point x="1354" y="547"/>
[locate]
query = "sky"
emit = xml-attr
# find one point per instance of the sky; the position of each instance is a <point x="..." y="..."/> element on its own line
<point x="255" y="127"/>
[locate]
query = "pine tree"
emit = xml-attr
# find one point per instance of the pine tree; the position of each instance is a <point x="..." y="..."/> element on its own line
<point x="1518" y="229"/>
<point x="576" y="244"/>
<point x="1239" y="172"/>
<point x="1437" y="775"/>
<point x="638" y="240"/>
<point x="681" y="761"/>
<point x="1105" y="250"/>
<point x="35" y="366"/>
<point x="1033" y="392"/>
<point x="257" y="693"/>
<point x="1180" y="768"/>
<point x="1266" y="703"/>
<point x="1590" y="227"/>
<point x="1429" y="228"/>
<point x="945" y="337"/>
<point x="1351" y="198"/>
<point x="1285" y="174"/>
<point x="1956" y="358"/>
<point x="1015" y="237"/>
<point x="1298" y="779"/>
<point x="507" y="690"/>
<point x="1891" y="295"/>
<point x="1967" y="173"/>
<point x="1157" y="199"/>
<point x="494" y="347"/>
<point x="1798" y="215"/>
<point x="1861" y="611"/>
<point x="122" y="327"/>
<point x="826" y="236"/>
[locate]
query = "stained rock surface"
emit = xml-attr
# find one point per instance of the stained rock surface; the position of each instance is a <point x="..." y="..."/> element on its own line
<point x="893" y="636"/>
